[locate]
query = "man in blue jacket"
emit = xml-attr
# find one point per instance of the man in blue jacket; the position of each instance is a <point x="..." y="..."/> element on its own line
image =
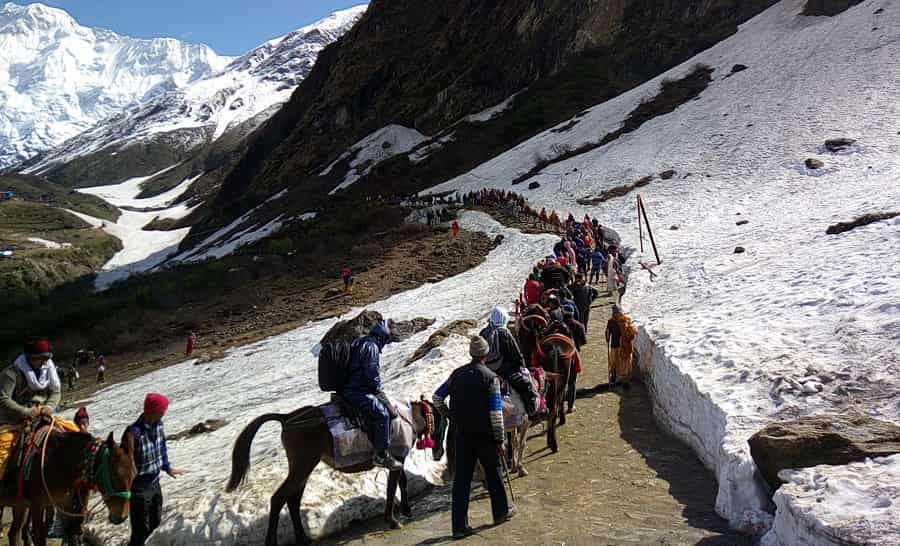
<point x="363" y="391"/>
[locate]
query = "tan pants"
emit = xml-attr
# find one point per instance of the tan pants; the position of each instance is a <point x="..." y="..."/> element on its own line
<point x="620" y="365"/>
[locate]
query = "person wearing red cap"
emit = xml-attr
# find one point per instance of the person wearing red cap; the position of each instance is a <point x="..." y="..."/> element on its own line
<point x="29" y="388"/>
<point x="82" y="420"/>
<point x="151" y="456"/>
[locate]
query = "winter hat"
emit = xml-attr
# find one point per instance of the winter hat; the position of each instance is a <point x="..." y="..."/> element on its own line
<point x="81" y="414"/>
<point x="39" y="347"/>
<point x="568" y="309"/>
<point x="499" y="317"/>
<point x="155" y="403"/>
<point x="478" y="347"/>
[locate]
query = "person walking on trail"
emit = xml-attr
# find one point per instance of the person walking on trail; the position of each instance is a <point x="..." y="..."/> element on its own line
<point x="347" y="277"/>
<point x="532" y="290"/>
<point x="190" y="344"/>
<point x="620" y="334"/>
<point x="477" y="415"/>
<point x="101" y="369"/>
<point x="30" y="388"/>
<point x="598" y="263"/>
<point x="151" y="457"/>
<point x="455" y="227"/>
<point x="612" y="275"/>
<point x="363" y="392"/>
<point x="506" y="360"/>
<point x="583" y="296"/>
<point x="579" y="338"/>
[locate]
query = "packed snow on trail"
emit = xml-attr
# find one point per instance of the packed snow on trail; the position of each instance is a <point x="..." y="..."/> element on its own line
<point x="279" y="375"/>
<point x="802" y="322"/>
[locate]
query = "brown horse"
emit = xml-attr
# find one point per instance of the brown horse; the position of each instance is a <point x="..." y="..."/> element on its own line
<point x="307" y="440"/>
<point x="556" y="354"/>
<point x="70" y="465"/>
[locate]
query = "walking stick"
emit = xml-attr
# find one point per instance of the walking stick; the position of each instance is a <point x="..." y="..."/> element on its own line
<point x="506" y="473"/>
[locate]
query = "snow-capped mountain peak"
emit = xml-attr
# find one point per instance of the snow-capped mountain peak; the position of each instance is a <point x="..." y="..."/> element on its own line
<point x="58" y="78"/>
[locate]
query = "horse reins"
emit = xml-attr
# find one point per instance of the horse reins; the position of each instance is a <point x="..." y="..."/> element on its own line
<point x="99" y="478"/>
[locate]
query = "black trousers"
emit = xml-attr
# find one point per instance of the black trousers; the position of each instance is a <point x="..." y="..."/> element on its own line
<point x="468" y="450"/>
<point x="146" y="512"/>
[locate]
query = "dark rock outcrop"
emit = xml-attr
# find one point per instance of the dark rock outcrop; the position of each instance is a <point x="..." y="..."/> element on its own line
<point x="210" y="425"/>
<point x="863" y="220"/>
<point x="427" y="64"/>
<point x="821" y="439"/>
<point x="739" y="250"/>
<point x="813" y="163"/>
<point x="438" y="338"/>
<point x="742" y="222"/>
<point x="667" y="175"/>
<point x="534" y="185"/>
<point x="828" y="8"/>
<point x="361" y="324"/>
<point x="838" y="144"/>
<point x="738" y="68"/>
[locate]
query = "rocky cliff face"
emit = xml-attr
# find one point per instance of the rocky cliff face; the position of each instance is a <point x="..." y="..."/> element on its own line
<point x="427" y="65"/>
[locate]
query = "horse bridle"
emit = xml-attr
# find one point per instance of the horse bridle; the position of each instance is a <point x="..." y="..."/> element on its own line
<point x="102" y="474"/>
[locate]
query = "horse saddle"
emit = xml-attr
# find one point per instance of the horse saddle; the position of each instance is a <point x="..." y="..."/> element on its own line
<point x="350" y="438"/>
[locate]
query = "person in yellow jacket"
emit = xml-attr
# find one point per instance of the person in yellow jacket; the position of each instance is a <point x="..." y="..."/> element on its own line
<point x="29" y="389"/>
<point x="620" y="334"/>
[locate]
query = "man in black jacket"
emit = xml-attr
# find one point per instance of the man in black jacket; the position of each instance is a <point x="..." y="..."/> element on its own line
<point x="579" y="337"/>
<point x="583" y="295"/>
<point x="477" y="414"/>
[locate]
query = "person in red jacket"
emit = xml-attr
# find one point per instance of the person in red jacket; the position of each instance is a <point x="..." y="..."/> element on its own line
<point x="347" y="277"/>
<point x="532" y="290"/>
<point x="455" y="227"/>
<point x="190" y="344"/>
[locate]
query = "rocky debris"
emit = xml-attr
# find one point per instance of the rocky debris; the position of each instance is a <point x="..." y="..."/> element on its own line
<point x="813" y="163"/>
<point x="838" y="144"/>
<point x="674" y="228"/>
<point x="863" y="220"/>
<point x="828" y="8"/>
<point x="742" y="222"/>
<point x="534" y="185"/>
<point x="210" y="425"/>
<point x="739" y="250"/>
<point x="821" y="439"/>
<point x="460" y="327"/>
<point x="738" y="68"/>
<point x="667" y="175"/>
<point x="361" y="324"/>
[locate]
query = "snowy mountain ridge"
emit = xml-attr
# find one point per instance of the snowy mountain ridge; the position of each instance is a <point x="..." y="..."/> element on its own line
<point x="58" y="78"/>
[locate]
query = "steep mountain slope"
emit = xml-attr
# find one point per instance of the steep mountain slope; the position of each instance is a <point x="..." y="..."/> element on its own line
<point x="58" y="78"/>
<point x="182" y="125"/>
<point x="426" y="66"/>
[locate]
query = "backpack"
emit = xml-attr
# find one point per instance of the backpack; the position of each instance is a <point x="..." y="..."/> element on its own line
<point x="334" y="365"/>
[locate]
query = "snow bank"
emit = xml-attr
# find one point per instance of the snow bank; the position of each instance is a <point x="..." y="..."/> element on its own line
<point x="490" y="113"/>
<point x="823" y="505"/>
<point x="383" y="144"/>
<point x="279" y="375"/>
<point x="802" y="322"/>
<point x="53" y="245"/>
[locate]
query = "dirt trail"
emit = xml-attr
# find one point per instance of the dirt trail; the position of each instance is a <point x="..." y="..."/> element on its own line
<point x="617" y="479"/>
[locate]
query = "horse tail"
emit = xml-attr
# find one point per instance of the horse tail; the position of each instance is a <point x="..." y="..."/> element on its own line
<point x="240" y="455"/>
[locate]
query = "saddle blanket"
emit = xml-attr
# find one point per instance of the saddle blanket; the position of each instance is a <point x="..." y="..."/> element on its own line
<point x="351" y="444"/>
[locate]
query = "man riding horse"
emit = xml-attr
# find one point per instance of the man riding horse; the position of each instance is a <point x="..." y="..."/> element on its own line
<point x="363" y="391"/>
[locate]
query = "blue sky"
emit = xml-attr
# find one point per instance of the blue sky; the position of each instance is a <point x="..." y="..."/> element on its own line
<point x="231" y="27"/>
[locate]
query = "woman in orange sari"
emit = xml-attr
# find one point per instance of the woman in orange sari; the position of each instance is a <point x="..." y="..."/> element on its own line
<point x="620" y="334"/>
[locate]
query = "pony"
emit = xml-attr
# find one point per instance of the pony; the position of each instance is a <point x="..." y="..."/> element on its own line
<point x="66" y="466"/>
<point x="307" y="440"/>
<point x="558" y="357"/>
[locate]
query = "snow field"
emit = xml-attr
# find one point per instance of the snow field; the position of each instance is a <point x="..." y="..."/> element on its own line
<point x="802" y="322"/>
<point x="279" y="375"/>
<point x="373" y="149"/>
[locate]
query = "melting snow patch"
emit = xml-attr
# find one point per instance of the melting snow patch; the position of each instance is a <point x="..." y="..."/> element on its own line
<point x="490" y="113"/>
<point x="383" y="144"/>
<point x="53" y="245"/>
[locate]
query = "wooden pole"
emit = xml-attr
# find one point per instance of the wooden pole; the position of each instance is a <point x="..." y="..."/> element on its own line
<point x="649" y="231"/>
<point x="640" y="226"/>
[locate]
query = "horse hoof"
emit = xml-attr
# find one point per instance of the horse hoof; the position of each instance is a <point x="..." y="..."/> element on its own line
<point x="394" y="524"/>
<point x="522" y="472"/>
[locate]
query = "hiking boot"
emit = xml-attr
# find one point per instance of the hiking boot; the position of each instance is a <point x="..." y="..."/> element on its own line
<point x="571" y="409"/>
<point x="467" y="532"/>
<point x="384" y="460"/>
<point x="510" y="514"/>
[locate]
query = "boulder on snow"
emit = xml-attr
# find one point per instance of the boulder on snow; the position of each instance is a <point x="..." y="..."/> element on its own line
<point x="821" y="439"/>
<point x="742" y="222"/>
<point x="667" y="175"/>
<point x="534" y="185"/>
<point x="838" y="144"/>
<point x="738" y="68"/>
<point x="210" y="425"/>
<point x="739" y="250"/>
<point x="438" y="338"/>
<point x="813" y="163"/>
<point x="361" y="324"/>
